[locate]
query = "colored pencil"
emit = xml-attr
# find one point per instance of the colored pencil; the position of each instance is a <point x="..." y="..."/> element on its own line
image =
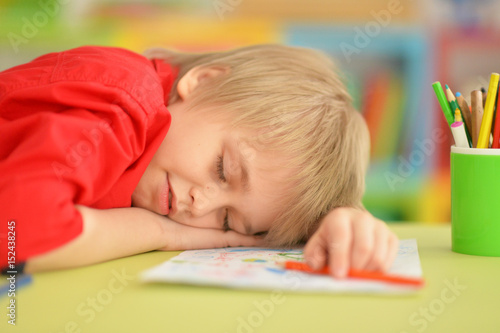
<point x="496" y="132"/>
<point x="454" y="106"/>
<point x="483" y="91"/>
<point x="445" y="106"/>
<point x="358" y="274"/>
<point x="485" y="131"/>
<point x="451" y="99"/>
<point x="477" y="114"/>
<point x="466" y="114"/>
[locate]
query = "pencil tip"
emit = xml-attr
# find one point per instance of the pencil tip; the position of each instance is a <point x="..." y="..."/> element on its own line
<point x="458" y="94"/>
<point x="446" y="86"/>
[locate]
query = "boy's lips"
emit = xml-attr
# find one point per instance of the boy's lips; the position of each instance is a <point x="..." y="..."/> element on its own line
<point x="165" y="197"/>
<point x="171" y="199"/>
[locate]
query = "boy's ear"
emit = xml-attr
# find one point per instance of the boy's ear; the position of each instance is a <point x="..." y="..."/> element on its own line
<point x="196" y="75"/>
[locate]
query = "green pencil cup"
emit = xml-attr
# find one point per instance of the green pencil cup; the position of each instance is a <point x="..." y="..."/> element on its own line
<point x="475" y="201"/>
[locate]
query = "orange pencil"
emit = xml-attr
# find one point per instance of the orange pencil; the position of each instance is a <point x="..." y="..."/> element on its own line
<point x="358" y="274"/>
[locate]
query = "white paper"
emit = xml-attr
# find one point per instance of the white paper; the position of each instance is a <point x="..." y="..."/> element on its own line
<point x="260" y="268"/>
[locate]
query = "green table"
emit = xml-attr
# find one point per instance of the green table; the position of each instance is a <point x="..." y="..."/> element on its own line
<point x="462" y="295"/>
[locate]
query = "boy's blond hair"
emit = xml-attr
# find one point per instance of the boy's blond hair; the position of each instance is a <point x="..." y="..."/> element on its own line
<point x="294" y="99"/>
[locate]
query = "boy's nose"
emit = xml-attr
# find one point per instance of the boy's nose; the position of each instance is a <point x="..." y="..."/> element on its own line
<point x="206" y="199"/>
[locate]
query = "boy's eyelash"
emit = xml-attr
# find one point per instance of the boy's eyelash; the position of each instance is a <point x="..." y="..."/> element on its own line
<point x="225" y="226"/>
<point x="222" y="177"/>
<point x="220" y="168"/>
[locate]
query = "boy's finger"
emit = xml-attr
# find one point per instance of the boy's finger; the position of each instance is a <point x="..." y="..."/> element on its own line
<point x="363" y="243"/>
<point x="392" y="251"/>
<point x="339" y="247"/>
<point x="378" y="256"/>
<point x="315" y="252"/>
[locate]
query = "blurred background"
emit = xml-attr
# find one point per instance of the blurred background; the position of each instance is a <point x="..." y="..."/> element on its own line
<point x="389" y="52"/>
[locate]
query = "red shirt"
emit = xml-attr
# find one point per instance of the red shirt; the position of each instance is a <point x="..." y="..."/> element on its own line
<point x="76" y="127"/>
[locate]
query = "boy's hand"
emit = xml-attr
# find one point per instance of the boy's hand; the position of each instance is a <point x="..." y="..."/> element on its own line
<point x="184" y="237"/>
<point x="350" y="238"/>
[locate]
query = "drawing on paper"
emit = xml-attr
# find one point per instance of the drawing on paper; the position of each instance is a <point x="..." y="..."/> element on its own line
<point x="260" y="268"/>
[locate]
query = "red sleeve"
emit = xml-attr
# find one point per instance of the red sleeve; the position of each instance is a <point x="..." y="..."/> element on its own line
<point x="71" y="123"/>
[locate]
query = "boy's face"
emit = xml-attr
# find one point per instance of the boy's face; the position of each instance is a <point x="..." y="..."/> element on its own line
<point x="204" y="175"/>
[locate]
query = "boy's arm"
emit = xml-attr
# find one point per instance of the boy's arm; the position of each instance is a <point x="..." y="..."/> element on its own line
<point x="350" y="237"/>
<point x="77" y="127"/>
<point x="120" y="232"/>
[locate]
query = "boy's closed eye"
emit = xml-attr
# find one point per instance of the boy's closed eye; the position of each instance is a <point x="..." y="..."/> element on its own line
<point x="231" y="171"/>
<point x="220" y="168"/>
<point x="226" y="228"/>
<point x="222" y="178"/>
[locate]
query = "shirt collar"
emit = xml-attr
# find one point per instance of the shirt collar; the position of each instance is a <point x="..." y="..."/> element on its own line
<point x="168" y="75"/>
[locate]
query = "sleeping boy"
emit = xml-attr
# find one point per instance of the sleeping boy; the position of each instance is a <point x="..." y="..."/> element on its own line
<point x="106" y="153"/>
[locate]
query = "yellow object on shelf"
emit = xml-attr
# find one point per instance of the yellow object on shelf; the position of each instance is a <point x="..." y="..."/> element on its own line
<point x="196" y="34"/>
